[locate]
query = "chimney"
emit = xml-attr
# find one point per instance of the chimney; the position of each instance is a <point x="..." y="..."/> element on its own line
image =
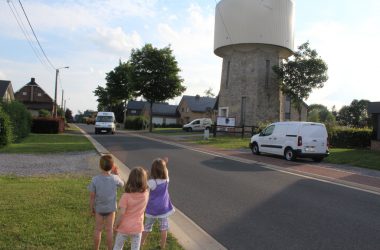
<point x="197" y="97"/>
<point x="33" y="80"/>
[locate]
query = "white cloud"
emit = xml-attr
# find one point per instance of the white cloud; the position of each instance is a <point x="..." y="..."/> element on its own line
<point x="116" y="40"/>
<point x="352" y="56"/>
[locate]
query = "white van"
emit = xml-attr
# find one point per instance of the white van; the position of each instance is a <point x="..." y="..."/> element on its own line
<point x="198" y="125"/>
<point x="105" y="123"/>
<point x="292" y="140"/>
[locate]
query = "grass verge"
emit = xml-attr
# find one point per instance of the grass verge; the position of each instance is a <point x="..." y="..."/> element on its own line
<point x="49" y="143"/>
<point x="364" y="158"/>
<point x="224" y="142"/>
<point x="51" y="213"/>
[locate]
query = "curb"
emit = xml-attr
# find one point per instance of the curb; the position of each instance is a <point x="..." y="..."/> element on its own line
<point x="181" y="226"/>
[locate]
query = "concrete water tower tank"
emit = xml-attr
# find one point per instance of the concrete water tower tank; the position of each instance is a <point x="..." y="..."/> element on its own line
<point x="252" y="36"/>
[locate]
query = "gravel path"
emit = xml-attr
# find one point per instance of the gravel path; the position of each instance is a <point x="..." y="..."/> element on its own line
<point x="83" y="163"/>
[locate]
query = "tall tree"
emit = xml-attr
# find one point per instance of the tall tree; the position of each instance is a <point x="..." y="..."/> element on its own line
<point x="355" y="114"/>
<point x="69" y="115"/>
<point x="155" y="75"/>
<point x="300" y="74"/>
<point x="103" y="98"/>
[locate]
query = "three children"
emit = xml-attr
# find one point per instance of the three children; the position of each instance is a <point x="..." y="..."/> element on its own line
<point x="134" y="202"/>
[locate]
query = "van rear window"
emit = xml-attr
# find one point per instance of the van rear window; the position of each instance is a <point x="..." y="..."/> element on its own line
<point x="104" y="119"/>
<point x="314" y="131"/>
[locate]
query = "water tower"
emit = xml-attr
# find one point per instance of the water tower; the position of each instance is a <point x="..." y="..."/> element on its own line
<point x="252" y="36"/>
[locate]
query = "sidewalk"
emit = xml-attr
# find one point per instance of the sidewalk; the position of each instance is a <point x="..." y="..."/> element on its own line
<point x="360" y="178"/>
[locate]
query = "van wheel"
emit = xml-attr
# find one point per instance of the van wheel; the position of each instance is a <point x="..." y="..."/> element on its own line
<point x="189" y="130"/>
<point x="289" y="154"/>
<point x="317" y="159"/>
<point x="255" y="149"/>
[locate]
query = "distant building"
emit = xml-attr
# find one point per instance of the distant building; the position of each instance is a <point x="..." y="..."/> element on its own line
<point x="374" y="110"/>
<point x="162" y="113"/>
<point x="6" y="91"/>
<point x="194" y="107"/>
<point x="34" y="98"/>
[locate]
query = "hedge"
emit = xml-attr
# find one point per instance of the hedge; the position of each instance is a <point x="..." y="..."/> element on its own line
<point x="6" y="135"/>
<point x="346" y="137"/>
<point x="136" y="123"/>
<point x="20" y="118"/>
<point x="45" y="125"/>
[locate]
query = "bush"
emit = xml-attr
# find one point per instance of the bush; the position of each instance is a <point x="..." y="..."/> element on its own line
<point x="136" y="123"/>
<point x="44" y="113"/>
<point x="20" y="118"/>
<point x="167" y="125"/>
<point x="346" y="137"/>
<point x="48" y="125"/>
<point x="6" y="134"/>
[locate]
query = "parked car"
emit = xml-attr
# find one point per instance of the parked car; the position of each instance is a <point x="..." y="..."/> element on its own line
<point x="198" y="125"/>
<point x="292" y="140"/>
<point x="105" y="123"/>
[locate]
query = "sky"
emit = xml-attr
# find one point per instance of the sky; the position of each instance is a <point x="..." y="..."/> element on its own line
<point x="91" y="36"/>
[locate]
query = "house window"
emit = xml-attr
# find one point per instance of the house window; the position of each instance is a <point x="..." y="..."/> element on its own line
<point x="24" y="93"/>
<point x="223" y="111"/>
<point x="287" y="108"/>
<point x="187" y="110"/>
<point x="183" y="109"/>
<point x="39" y="94"/>
<point x="267" y="71"/>
<point x="133" y="111"/>
<point x="228" y="73"/>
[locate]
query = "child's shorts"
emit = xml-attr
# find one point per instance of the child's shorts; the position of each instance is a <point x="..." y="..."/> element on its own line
<point x="148" y="225"/>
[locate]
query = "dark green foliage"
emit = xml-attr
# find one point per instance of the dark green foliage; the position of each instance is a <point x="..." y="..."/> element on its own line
<point x="167" y="125"/>
<point x="6" y="135"/>
<point x="20" y="118"/>
<point x="354" y="115"/>
<point x="154" y="74"/>
<point x="301" y="73"/>
<point x="44" y="113"/>
<point x="48" y="125"/>
<point x="69" y="115"/>
<point x="346" y="137"/>
<point x="136" y="123"/>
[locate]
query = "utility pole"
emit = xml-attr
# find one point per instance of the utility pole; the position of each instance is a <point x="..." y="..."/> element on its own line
<point x="55" y="92"/>
<point x="62" y="100"/>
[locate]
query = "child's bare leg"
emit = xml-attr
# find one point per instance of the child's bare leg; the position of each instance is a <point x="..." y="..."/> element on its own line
<point x="143" y="237"/>
<point x="164" y="235"/>
<point x="98" y="230"/>
<point x="109" y="229"/>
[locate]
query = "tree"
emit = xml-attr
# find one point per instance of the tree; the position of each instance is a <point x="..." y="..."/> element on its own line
<point x="103" y="97"/>
<point x="69" y="115"/>
<point x="355" y="114"/>
<point x="154" y="75"/>
<point x="208" y="92"/>
<point x="320" y="113"/>
<point x="300" y="74"/>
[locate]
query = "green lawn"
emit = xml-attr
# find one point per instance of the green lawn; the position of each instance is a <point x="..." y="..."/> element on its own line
<point x="172" y="131"/>
<point x="49" y="143"/>
<point x="356" y="157"/>
<point x="51" y="213"/>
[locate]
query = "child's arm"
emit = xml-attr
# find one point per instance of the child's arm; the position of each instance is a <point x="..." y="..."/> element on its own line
<point x="92" y="203"/>
<point x="118" y="218"/>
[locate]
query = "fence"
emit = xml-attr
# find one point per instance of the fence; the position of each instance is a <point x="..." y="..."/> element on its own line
<point x="235" y="130"/>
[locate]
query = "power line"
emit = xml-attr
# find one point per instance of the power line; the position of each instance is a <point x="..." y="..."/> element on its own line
<point x="35" y="36"/>
<point x="23" y="29"/>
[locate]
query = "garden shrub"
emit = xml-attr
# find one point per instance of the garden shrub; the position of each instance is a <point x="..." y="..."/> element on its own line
<point x="20" y="118"/>
<point x="136" y="123"/>
<point x="6" y="135"/>
<point x="346" y="137"/>
<point x="43" y="125"/>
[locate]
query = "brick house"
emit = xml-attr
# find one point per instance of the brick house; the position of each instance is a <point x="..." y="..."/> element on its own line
<point x="194" y="107"/>
<point x="34" y="98"/>
<point x="6" y="91"/>
<point x="374" y="110"/>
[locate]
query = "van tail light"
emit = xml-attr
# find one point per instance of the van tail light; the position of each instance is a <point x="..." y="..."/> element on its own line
<point x="299" y="141"/>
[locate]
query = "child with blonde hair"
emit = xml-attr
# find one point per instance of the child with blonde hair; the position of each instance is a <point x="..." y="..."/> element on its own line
<point x="132" y="204"/>
<point x="159" y="205"/>
<point x="103" y="190"/>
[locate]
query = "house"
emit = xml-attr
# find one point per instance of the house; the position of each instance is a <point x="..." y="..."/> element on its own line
<point x="6" y="91"/>
<point x="194" y="107"/>
<point x="374" y="110"/>
<point x="34" y="98"/>
<point x="162" y="113"/>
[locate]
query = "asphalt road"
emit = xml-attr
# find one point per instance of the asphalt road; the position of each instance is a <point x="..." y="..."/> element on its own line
<point x="246" y="206"/>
